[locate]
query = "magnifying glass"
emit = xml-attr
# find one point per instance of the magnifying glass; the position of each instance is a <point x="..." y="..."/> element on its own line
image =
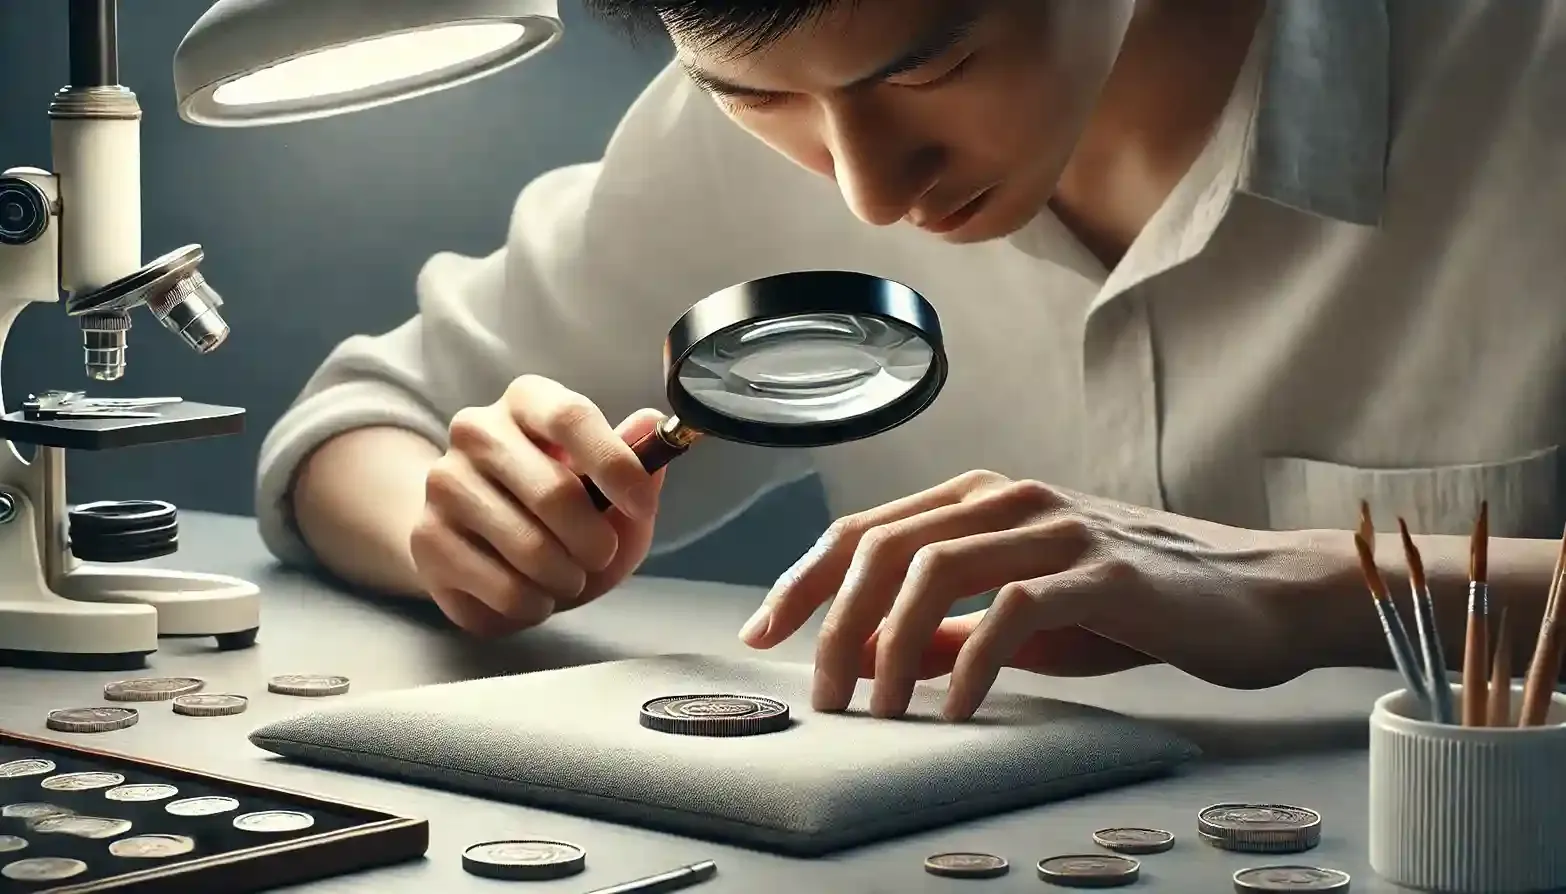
<point x="802" y="359"/>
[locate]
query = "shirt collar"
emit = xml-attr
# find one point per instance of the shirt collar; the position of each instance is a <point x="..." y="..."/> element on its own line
<point x="1320" y="131"/>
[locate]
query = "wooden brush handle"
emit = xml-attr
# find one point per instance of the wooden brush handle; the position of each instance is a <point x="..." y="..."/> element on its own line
<point x="1498" y="710"/>
<point x="1476" y="664"/>
<point x="1543" y="673"/>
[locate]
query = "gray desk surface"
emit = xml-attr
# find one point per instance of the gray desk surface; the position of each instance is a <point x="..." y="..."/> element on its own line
<point x="1302" y="743"/>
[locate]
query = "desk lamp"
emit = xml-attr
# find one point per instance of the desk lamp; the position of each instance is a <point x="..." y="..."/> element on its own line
<point x="78" y="229"/>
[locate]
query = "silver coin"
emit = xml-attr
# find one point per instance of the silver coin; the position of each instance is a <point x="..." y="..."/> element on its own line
<point x="1257" y="818"/>
<point x="81" y="826"/>
<point x="32" y="766"/>
<point x="1133" y="840"/>
<point x="28" y="810"/>
<point x="210" y="705"/>
<point x="154" y="791"/>
<point x="966" y="865"/>
<point x="9" y="843"/>
<point x="274" y="821"/>
<point x="310" y="685"/>
<point x="43" y="869"/>
<point x="152" y="847"/>
<point x="151" y="689"/>
<point x="91" y="720"/>
<point x="81" y="782"/>
<point x="1291" y="878"/>
<point x="524" y="860"/>
<point x="203" y="806"/>
<point x="1089" y="871"/>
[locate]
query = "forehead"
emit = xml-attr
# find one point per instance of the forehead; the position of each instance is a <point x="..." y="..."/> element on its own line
<point x="837" y="42"/>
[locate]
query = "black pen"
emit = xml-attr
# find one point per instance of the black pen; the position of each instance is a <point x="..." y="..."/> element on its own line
<point x="662" y="883"/>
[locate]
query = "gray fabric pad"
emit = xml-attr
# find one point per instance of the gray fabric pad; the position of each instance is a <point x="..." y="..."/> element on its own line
<point x="570" y="740"/>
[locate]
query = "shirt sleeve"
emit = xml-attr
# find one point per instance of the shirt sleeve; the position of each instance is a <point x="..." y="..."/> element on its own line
<point x="599" y="260"/>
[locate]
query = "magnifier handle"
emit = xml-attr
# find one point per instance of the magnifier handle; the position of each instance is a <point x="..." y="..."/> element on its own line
<point x="655" y="449"/>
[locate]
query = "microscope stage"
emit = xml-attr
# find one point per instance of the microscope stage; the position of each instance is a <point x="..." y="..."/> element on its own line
<point x="184" y="421"/>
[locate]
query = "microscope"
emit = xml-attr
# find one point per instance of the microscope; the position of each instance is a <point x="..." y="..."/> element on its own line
<point x="65" y="601"/>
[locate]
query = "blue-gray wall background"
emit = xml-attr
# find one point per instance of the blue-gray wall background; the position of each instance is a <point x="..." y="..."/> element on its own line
<point x="315" y="231"/>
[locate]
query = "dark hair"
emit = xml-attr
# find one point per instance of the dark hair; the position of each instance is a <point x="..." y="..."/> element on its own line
<point x="744" y="25"/>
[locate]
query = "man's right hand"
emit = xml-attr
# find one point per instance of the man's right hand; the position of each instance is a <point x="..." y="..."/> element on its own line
<point x="509" y="535"/>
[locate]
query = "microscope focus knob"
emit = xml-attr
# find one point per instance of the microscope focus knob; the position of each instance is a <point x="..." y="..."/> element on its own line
<point x="24" y="211"/>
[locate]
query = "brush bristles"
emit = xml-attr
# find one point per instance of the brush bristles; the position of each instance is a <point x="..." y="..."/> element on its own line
<point x="1479" y="547"/>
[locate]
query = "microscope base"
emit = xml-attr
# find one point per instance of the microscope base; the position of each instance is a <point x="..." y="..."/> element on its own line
<point x="188" y="604"/>
<point x="39" y="628"/>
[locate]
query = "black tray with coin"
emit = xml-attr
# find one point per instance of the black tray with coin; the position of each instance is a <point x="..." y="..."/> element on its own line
<point x="76" y="820"/>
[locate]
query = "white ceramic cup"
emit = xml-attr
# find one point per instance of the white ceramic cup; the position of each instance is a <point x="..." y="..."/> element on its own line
<point x="1467" y="810"/>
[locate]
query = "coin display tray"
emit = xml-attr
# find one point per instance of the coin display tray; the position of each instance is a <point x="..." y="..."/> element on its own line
<point x="345" y="838"/>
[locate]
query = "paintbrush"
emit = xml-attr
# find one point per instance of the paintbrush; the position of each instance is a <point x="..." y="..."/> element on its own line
<point x="1476" y="663"/>
<point x="1429" y="633"/>
<point x="1545" y="668"/>
<point x="1498" y="708"/>
<point x="1391" y="624"/>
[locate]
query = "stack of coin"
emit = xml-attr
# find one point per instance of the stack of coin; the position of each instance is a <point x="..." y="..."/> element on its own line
<point x="1260" y="828"/>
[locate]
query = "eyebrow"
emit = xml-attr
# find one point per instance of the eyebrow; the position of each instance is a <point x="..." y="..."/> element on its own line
<point x="941" y="38"/>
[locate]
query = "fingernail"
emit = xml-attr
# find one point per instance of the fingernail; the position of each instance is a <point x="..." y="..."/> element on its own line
<point x="757" y="626"/>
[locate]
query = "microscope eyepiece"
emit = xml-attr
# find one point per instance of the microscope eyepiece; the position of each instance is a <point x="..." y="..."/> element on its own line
<point x="174" y="290"/>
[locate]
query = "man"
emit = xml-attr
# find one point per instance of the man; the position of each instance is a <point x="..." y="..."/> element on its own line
<point x="1214" y="270"/>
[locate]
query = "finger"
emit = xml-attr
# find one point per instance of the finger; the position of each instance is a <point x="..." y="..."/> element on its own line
<point x="448" y="560"/>
<point x="955" y="569"/>
<point x="871" y="584"/>
<point x="471" y="615"/>
<point x="549" y="411"/>
<point x="1019" y="610"/>
<point x="476" y="508"/>
<point x="548" y="490"/>
<point x="820" y="571"/>
<point x="1067" y="652"/>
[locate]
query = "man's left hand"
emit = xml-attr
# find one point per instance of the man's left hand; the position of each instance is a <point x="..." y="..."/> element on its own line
<point x="1085" y="587"/>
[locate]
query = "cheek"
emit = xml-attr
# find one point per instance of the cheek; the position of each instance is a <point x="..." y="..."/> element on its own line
<point x="792" y="134"/>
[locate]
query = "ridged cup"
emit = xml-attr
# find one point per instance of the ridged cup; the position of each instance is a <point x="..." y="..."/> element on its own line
<point x="1463" y="810"/>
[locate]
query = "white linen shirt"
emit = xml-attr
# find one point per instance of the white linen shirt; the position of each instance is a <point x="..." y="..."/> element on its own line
<point x="1356" y="291"/>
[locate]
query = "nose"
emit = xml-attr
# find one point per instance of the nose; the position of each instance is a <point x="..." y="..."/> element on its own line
<point x="881" y="170"/>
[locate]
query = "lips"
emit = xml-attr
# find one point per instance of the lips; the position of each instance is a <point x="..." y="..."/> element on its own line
<point x="955" y="219"/>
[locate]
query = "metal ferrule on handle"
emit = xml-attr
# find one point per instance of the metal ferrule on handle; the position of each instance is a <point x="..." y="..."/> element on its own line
<point x="656" y="449"/>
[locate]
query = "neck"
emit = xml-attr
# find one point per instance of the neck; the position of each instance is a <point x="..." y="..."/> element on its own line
<point x="1175" y="73"/>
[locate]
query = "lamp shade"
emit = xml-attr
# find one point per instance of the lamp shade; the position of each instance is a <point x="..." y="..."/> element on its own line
<point x="254" y="62"/>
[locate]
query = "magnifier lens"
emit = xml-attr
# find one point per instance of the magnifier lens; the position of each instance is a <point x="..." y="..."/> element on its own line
<point x="806" y="369"/>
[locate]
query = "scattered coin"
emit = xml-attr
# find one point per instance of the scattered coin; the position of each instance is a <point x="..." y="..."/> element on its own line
<point x="1260" y="828"/>
<point x="1090" y="871"/>
<point x="1290" y="878"/>
<point x="309" y="685"/>
<point x="273" y="821"/>
<point x="210" y="705"/>
<point x="151" y="689"/>
<point x="43" y="869"/>
<point x="204" y="806"/>
<point x="155" y="791"/>
<point x="33" y="810"/>
<point x="525" y="860"/>
<point x="32" y="766"/>
<point x="9" y="843"/>
<point x="81" y="782"/>
<point x="152" y="847"/>
<point x="1130" y="840"/>
<point x="91" y="720"/>
<point x="715" y="715"/>
<point x="967" y="865"/>
<point x="81" y="826"/>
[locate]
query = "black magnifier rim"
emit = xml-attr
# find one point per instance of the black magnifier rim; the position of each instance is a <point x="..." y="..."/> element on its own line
<point x="795" y="294"/>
